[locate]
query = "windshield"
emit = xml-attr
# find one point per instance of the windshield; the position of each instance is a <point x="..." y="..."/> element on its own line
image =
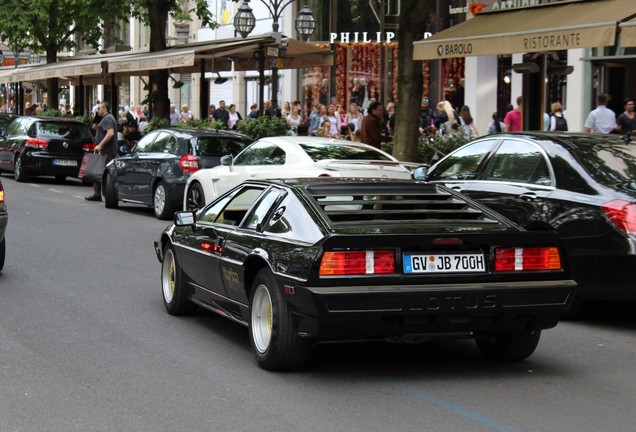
<point x="62" y="130"/>
<point x="318" y="152"/>
<point x="609" y="164"/>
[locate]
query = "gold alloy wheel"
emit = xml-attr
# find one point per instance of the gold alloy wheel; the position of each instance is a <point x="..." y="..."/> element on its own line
<point x="262" y="319"/>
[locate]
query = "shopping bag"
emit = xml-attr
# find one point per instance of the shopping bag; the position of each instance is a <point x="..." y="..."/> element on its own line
<point x="83" y="166"/>
<point x="95" y="166"/>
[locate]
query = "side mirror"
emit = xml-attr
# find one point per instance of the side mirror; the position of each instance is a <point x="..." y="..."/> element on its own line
<point x="184" y="218"/>
<point x="226" y="160"/>
<point x="420" y="173"/>
<point x="123" y="150"/>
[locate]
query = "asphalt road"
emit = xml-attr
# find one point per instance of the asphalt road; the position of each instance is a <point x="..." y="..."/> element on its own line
<point x="86" y="345"/>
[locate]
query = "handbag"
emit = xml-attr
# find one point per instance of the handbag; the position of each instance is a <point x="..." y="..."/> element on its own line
<point x="95" y="166"/>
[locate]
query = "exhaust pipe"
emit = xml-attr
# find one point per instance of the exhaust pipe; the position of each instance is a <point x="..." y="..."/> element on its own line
<point x="525" y="324"/>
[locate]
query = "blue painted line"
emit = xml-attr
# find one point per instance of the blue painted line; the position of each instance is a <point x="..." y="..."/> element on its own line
<point x="455" y="408"/>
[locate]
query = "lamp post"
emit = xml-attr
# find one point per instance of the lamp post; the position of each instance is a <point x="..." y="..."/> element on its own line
<point x="244" y="23"/>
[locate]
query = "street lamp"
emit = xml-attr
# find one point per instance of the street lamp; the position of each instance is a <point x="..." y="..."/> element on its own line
<point x="244" y="23"/>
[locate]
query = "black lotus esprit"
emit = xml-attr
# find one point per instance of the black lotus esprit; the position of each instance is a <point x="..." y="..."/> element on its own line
<point x="307" y="260"/>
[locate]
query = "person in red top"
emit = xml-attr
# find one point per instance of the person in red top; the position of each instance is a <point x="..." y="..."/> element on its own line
<point x="513" y="118"/>
<point x="372" y="125"/>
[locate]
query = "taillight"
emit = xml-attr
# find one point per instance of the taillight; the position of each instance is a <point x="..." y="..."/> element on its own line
<point x="527" y="259"/>
<point x="189" y="164"/>
<point x="357" y="263"/>
<point x="1" y="195"/>
<point x="622" y="214"/>
<point x="88" y="146"/>
<point x="36" y="143"/>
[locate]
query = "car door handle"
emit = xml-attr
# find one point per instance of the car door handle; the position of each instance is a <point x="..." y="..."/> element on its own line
<point x="455" y="188"/>
<point x="528" y="196"/>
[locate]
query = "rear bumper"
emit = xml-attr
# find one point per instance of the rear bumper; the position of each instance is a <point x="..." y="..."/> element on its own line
<point x="381" y="311"/>
<point x="37" y="163"/>
<point x="607" y="277"/>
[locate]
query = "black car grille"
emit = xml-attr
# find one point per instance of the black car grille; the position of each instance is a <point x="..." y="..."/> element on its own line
<point x="401" y="203"/>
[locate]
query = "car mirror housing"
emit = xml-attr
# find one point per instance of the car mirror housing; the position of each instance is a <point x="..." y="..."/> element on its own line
<point x="226" y="160"/>
<point x="184" y="218"/>
<point x="420" y="173"/>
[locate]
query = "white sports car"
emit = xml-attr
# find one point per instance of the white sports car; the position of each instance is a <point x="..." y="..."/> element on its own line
<point x="291" y="157"/>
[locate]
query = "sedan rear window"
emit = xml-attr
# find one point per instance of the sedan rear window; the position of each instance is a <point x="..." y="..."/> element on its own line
<point x="62" y="130"/>
<point x="219" y="146"/>
<point x="318" y="152"/>
<point x="610" y="165"/>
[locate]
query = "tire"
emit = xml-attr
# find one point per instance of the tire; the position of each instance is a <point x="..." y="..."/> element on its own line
<point x="18" y="172"/>
<point x="173" y="287"/>
<point x="3" y="251"/>
<point x="508" y="346"/>
<point x="161" y="202"/>
<point x="273" y="337"/>
<point x="60" y="178"/>
<point x="111" y="198"/>
<point x="195" y="197"/>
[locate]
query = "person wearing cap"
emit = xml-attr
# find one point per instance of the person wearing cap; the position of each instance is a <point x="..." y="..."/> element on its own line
<point x="427" y="116"/>
<point x="496" y="125"/>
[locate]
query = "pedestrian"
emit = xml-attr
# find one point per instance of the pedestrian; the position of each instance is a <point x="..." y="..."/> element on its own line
<point x="253" y="112"/>
<point x="174" y="115"/>
<point x="233" y="117"/>
<point x="334" y="121"/>
<point x="496" y="125"/>
<point x="626" y="122"/>
<point x="316" y="118"/>
<point x="427" y="116"/>
<point x="294" y="119"/>
<point x="557" y="119"/>
<point x="446" y="118"/>
<point x="354" y="116"/>
<point x="221" y="114"/>
<point x="513" y="117"/>
<point x="602" y="119"/>
<point x="467" y="123"/>
<point x="106" y="139"/>
<point x="185" y="114"/>
<point x="372" y="125"/>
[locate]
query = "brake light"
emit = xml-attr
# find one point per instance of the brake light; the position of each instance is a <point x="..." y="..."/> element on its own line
<point x="527" y="259"/>
<point x="1" y="195"/>
<point x="189" y="164"/>
<point x="36" y="143"/>
<point x="622" y="214"/>
<point x="88" y="146"/>
<point x="357" y="263"/>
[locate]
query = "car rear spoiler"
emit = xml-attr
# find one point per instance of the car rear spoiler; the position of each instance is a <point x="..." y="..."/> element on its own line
<point x="333" y="163"/>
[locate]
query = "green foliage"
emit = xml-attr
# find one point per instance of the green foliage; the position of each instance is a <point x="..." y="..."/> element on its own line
<point x="442" y="145"/>
<point x="53" y="112"/>
<point x="157" y="123"/>
<point x="201" y="124"/>
<point x="263" y="126"/>
<point x="87" y="120"/>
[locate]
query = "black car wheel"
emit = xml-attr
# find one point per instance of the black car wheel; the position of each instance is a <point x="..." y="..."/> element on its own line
<point x="161" y="202"/>
<point x="3" y="250"/>
<point x="508" y="346"/>
<point x="175" y="295"/>
<point x="196" y="197"/>
<point x="18" y="171"/>
<point x="111" y="198"/>
<point x="273" y="338"/>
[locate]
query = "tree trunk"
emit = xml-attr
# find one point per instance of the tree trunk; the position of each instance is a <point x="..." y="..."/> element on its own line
<point x="158" y="13"/>
<point x="52" y="84"/>
<point x="413" y="19"/>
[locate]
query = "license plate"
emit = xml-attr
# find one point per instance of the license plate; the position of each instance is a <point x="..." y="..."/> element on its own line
<point x="64" y="162"/>
<point x="444" y="263"/>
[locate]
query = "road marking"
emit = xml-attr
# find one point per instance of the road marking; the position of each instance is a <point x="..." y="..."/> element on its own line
<point x="34" y="185"/>
<point x="455" y="408"/>
<point x="56" y="191"/>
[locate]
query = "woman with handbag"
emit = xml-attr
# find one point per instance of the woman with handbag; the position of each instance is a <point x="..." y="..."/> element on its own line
<point x="106" y="139"/>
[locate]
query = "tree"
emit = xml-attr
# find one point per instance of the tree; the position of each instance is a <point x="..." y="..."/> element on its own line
<point x="53" y="25"/>
<point x="154" y="13"/>
<point x="413" y="19"/>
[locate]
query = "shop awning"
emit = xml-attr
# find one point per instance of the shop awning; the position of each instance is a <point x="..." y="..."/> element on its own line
<point x="550" y="27"/>
<point x="628" y="33"/>
<point x="61" y="69"/>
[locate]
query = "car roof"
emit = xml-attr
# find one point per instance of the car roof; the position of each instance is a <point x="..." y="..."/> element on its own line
<point x="568" y="139"/>
<point x="203" y="132"/>
<point x="287" y="141"/>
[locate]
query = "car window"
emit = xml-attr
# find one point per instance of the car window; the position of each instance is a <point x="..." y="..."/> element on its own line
<point x="64" y="130"/>
<point x="464" y="163"/>
<point x="610" y="165"/>
<point x="209" y="214"/>
<point x="165" y="143"/>
<point x="146" y="142"/>
<point x="325" y="151"/>
<point x="261" y="154"/>
<point x="238" y="206"/>
<point x="290" y="220"/>
<point x="260" y="213"/>
<point x="13" y="127"/>
<point x="216" y="146"/>
<point x="518" y="161"/>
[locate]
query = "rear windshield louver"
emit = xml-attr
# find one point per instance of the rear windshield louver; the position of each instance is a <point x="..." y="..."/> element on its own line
<point x="394" y="205"/>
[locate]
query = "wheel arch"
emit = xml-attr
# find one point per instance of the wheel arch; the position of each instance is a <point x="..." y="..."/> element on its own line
<point x="253" y="264"/>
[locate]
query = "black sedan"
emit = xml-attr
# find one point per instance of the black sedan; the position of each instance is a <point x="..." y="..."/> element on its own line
<point x="33" y="146"/>
<point x="581" y="185"/>
<point x="4" y="218"/>
<point x="307" y="260"/>
<point x="156" y="171"/>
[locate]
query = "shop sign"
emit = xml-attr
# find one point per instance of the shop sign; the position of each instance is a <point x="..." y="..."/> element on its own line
<point x="361" y="37"/>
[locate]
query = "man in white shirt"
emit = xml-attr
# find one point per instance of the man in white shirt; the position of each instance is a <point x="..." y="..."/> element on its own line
<point x="602" y="119"/>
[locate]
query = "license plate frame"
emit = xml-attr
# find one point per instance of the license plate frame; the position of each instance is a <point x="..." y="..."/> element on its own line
<point x="65" y="162"/>
<point x="439" y="263"/>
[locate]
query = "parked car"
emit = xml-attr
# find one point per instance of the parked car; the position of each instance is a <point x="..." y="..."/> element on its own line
<point x="33" y="146"/>
<point x="4" y="218"/>
<point x="583" y="186"/>
<point x="299" y="261"/>
<point x="155" y="172"/>
<point x="292" y="157"/>
<point x="5" y="119"/>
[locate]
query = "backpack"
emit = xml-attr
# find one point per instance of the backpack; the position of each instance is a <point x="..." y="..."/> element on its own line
<point x="561" y="123"/>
